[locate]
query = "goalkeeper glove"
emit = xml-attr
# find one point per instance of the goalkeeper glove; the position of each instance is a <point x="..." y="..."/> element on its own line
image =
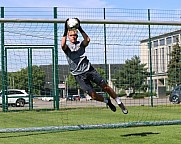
<point x="65" y="29"/>
<point x="79" y="27"/>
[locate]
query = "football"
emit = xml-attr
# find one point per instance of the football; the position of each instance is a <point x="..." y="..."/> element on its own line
<point x="72" y="24"/>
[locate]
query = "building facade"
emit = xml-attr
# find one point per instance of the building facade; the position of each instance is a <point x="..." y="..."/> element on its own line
<point x="161" y="48"/>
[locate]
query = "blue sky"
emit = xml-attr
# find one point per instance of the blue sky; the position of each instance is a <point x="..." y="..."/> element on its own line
<point x="129" y="4"/>
<point x="116" y="55"/>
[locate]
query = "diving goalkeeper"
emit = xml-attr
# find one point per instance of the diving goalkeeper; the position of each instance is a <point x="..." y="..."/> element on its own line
<point x="82" y="69"/>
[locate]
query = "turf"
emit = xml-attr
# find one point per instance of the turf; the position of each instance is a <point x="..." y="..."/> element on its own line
<point x="76" y="116"/>
<point x="135" y="135"/>
<point x="81" y="116"/>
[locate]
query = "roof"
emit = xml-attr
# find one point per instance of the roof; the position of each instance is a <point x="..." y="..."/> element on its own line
<point x="162" y="36"/>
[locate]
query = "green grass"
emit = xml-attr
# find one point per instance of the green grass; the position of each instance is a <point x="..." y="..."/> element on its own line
<point x="76" y="116"/>
<point x="79" y="116"/>
<point x="136" y="135"/>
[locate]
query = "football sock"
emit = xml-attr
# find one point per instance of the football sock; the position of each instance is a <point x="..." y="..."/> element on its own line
<point x="105" y="100"/>
<point x="118" y="100"/>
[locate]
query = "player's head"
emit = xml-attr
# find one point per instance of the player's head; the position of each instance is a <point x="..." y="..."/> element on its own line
<point x="72" y="35"/>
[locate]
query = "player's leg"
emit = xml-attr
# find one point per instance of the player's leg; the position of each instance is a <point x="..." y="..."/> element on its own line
<point x="112" y="93"/>
<point x="96" y="77"/>
<point x="87" y="87"/>
<point x="98" y="97"/>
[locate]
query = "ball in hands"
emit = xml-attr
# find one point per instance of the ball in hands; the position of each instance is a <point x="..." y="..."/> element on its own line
<point x="72" y="24"/>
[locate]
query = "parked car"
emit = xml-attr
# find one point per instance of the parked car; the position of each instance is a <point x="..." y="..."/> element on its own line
<point x="15" y="97"/>
<point x="73" y="98"/>
<point x="175" y="95"/>
<point x="69" y="98"/>
<point x="48" y="98"/>
<point x="82" y="96"/>
<point x="88" y="97"/>
<point x="76" y="97"/>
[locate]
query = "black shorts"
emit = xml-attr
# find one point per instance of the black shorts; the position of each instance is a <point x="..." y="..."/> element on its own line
<point x="86" y="78"/>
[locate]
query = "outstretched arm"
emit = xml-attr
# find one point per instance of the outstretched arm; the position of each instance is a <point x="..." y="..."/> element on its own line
<point x="64" y="38"/>
<point x="85" y="36"/>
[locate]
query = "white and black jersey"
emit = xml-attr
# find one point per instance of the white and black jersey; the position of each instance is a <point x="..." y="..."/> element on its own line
<point x="77" y="61"/>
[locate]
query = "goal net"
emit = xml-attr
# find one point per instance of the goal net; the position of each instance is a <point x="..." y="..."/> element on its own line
<point x="135" y="57"/>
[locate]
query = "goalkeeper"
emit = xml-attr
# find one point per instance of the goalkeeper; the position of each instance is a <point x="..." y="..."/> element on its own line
<point x="82" y="69"/>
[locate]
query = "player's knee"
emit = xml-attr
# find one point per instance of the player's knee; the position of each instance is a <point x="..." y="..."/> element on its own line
<point x="93" y="95"/>
<point x="105" y="87"/>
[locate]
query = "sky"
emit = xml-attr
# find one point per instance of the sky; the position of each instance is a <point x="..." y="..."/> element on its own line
<point x="128" y="4"/>
<point x="122" y="4"/>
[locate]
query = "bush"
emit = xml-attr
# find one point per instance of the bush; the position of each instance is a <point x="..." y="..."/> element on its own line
<point x="139" y="95"/>
<point x="147" y="94"/>
<point x="142" y="95"/>
<point x="121" y="94"/>
<point x="167" y="93"/>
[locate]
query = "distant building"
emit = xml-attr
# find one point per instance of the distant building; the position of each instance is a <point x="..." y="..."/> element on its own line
<point x="161" y="47"/>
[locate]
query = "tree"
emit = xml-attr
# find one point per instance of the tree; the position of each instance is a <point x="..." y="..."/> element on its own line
<point x="174" y="66"/>
<point x="0" y="80"/>
<point x="132" y="75"/>
<point x="21" y="79"/>
<point x="71" y="81"/>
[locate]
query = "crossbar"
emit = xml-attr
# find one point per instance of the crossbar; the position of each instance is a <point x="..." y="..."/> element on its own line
<point x="94" y="21"/>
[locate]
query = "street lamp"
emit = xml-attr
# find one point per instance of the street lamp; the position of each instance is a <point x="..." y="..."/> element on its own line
<point x="66" y="85"/>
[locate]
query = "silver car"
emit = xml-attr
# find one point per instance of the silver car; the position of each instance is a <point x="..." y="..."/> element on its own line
<point x="175" y="95"/>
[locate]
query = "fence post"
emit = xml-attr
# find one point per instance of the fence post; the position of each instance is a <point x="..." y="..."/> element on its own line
<point x="56" y="61"/>
<point x="150" y="55"/>
<point x="30" y="78"/>
<point x="4" y="108"/>
<point x="105" y="48"/>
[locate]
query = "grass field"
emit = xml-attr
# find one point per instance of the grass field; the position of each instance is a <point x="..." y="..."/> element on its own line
<point x="135" y="135"/>
<point x="76" y="116"/>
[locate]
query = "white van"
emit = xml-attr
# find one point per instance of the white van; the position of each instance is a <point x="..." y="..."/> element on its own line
<point x="16" y="97"/>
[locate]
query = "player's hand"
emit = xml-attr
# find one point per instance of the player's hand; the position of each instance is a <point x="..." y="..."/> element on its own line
<point x="79" y="27"/>
<point x="78" y="22"/>
<point x="66" y="28"/>
<point x="66" y="23"/>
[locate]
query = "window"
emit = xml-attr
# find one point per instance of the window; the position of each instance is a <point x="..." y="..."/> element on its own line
<point x="175" y="39"/>
<point x="169" y="53"/>
<point x="155" y="84"/>
<point x="169" y="40"/>
<point x="162" y="42"/>
<point x="162" y="59"/>
<point x="156" y="60"/>
<point x="149" y="46"/>
<point x="14" y="92"/>
<point x="18" y="92"/>
<point x="177" y="89"/>
<point x="155" y="43"/>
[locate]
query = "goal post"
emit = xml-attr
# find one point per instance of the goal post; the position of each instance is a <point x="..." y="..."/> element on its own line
<point x="27" y="51"/>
